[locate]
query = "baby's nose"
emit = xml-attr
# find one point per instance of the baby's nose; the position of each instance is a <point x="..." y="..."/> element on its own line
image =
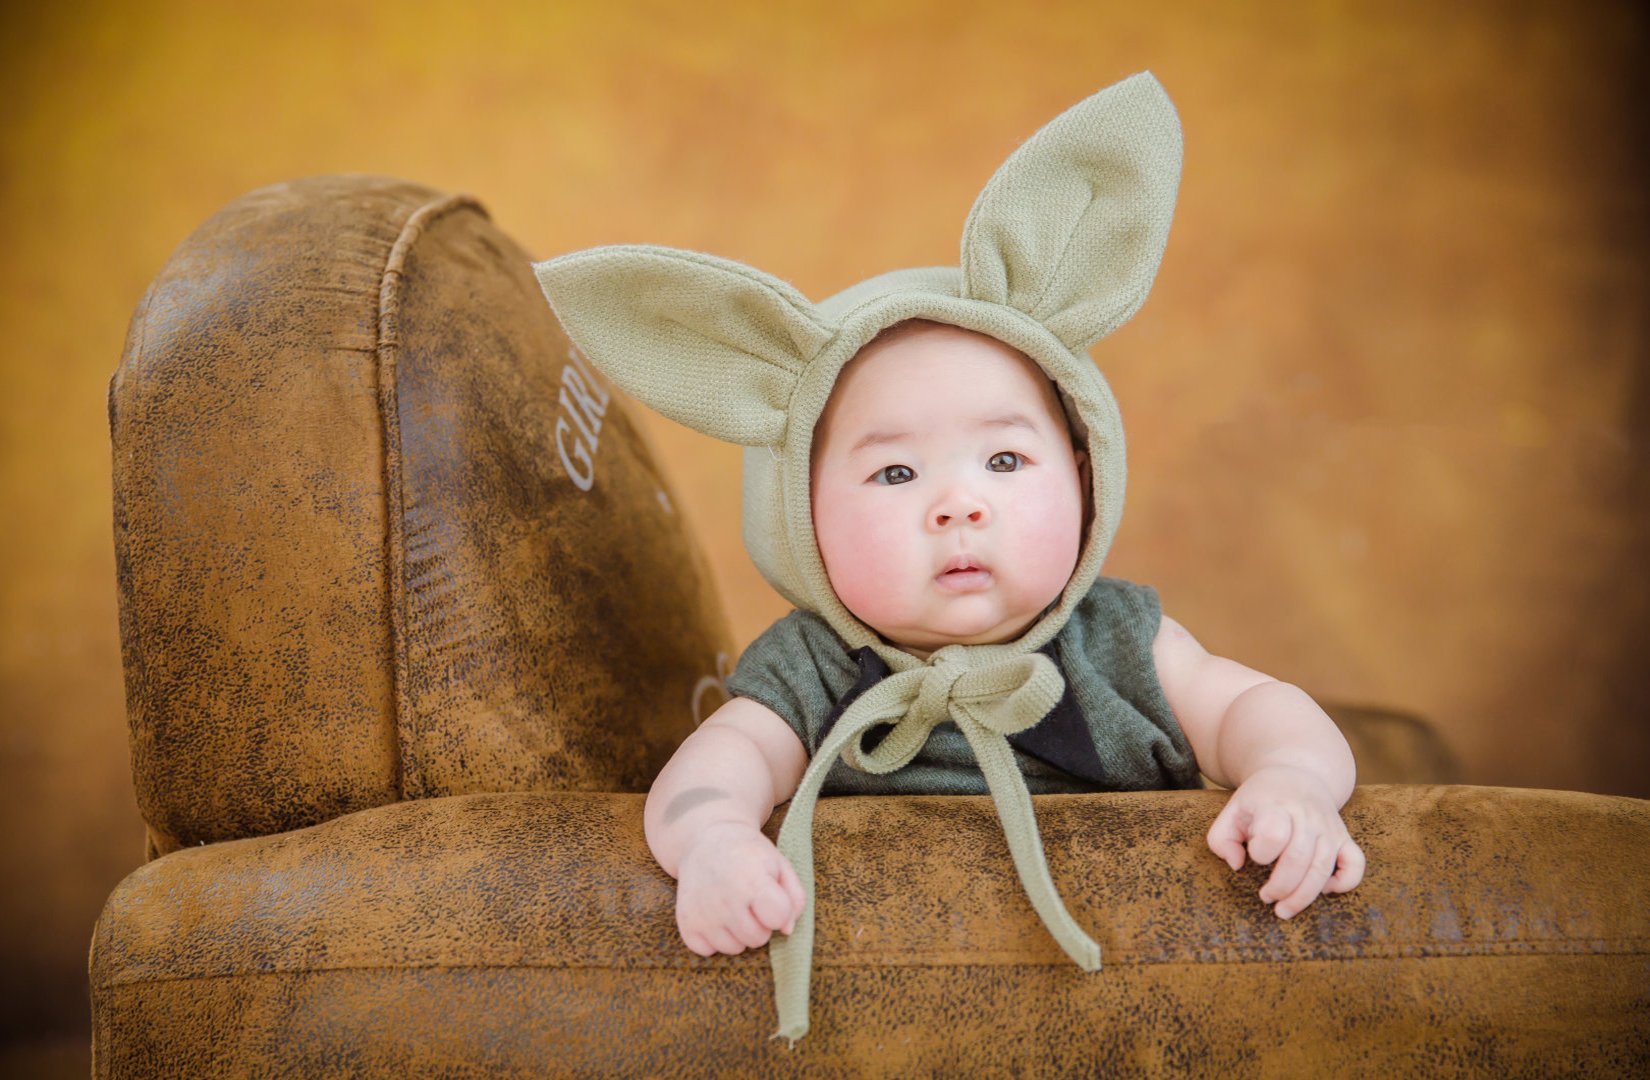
<point x="957" y="508"/>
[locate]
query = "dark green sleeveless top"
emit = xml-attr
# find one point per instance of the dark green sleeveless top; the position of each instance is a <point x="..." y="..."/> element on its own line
<point x="1113" y="729"/>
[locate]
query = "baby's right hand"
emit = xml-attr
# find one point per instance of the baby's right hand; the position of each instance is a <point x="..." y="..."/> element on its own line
<point x="733" y="890"/>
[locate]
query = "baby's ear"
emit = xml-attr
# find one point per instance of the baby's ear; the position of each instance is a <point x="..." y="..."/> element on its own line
<point x="1072" y="226"/>
<point x="711" y="343"/>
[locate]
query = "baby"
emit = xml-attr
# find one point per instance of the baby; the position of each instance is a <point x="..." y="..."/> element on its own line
<point x="934" y="472"/>
<point x="948" y="503"/>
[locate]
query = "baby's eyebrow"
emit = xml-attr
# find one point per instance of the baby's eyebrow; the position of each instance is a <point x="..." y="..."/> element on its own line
<point x="878" y="438"/>
<point x="1003" y="420"/>
<point x="1006" y="420"/>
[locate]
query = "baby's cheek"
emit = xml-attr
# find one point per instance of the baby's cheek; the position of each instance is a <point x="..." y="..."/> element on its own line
<point x="1052" y="539"/>
<point x="863" y="564"/>
<point x="866" y="557"/>
<point x="854" y="587"/>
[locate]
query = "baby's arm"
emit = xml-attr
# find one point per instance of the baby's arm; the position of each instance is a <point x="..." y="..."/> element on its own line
<point x="1288" y="762"/>
<point x="704" y="819"/>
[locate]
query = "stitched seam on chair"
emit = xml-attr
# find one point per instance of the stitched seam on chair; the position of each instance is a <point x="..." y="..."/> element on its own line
<point x="1636" y="947"/>
<point x="388" y="349"/>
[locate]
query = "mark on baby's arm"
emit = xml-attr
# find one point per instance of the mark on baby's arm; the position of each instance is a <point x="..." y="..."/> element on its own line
<point x="692" y="798"/>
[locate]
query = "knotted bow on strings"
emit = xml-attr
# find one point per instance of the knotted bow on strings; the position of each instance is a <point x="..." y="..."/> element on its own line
<point x="987" y="703"/>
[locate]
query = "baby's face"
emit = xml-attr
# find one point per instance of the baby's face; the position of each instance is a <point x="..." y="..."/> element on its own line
<point x="947" y="498"/>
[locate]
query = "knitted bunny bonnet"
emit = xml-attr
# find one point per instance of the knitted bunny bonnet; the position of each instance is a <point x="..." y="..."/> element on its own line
<point x="1060" y="249"/>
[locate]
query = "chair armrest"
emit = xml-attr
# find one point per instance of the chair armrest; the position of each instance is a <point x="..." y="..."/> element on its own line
<point x="529" y="934"/>
<point x="1393" y="747"/>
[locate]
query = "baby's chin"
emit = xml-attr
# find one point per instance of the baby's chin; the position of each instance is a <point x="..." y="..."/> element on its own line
<point x="928" y="638"/>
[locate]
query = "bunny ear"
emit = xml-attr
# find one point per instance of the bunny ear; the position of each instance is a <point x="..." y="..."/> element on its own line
<point x="1072" y="226"/>
<point x="711" y="343"/>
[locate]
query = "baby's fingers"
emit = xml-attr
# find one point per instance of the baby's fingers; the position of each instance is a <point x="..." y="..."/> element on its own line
<point x="707" y="938"/>
<point x="747" y="929"/>
<point x="793" y="890"/>
<point x="724" y="941"/>
<point x="1294" y="865"/>
<point x="1349" y="868"/>
<point x="1321" y="864"/>
<point x="1269" y="835"/>
<point x="1226" y="835"/>
<point x="772" y="906"/>
<point x="696" y="942"/>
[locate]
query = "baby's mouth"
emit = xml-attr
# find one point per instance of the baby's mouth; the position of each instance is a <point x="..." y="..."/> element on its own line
<point x="963" y="573"/>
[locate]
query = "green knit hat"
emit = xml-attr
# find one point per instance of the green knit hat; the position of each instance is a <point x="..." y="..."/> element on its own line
<point x="1059" y="250"/>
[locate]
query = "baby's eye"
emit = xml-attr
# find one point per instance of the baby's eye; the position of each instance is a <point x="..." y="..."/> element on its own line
<point x="1005" y="461"/>
<point x="894" y="474"/>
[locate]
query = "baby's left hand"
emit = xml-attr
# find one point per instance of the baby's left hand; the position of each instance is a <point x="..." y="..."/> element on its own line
<point x="1288" y="814"/>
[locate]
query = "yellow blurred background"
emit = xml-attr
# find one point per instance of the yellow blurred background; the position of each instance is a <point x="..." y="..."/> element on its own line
<point x="1388" y="405"/>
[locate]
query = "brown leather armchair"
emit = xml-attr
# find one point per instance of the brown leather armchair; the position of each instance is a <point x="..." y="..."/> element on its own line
<point x="409" y="623"/>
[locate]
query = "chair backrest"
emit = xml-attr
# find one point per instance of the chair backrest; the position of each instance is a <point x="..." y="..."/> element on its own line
<point x="380" y="533"/>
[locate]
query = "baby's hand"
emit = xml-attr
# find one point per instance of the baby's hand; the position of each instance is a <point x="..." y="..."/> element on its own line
<point x="733" y="890"/>
<point x="1289" y="812"/>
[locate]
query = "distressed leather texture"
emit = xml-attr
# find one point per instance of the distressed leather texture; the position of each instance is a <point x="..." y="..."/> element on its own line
<point x="352" y="567"/>
<point x="1501" y="932"/>
<point x="396" y="681"/>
